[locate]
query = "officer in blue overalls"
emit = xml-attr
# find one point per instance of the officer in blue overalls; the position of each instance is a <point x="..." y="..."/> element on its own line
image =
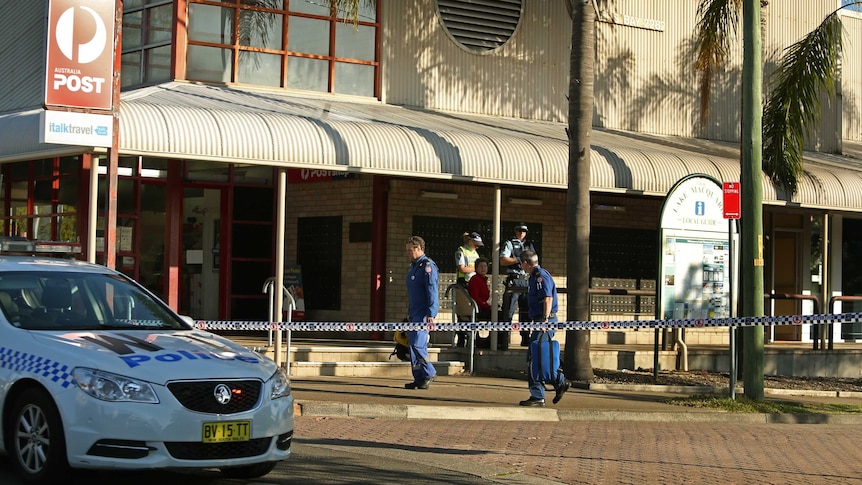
<point x="542" y="301"/>
<point x="422" y="307"/>
<point x="515" y="297"/>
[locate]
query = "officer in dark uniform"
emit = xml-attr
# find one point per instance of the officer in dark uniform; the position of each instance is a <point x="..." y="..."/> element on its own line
<point x="542" y="297"/>
<point x="516" y="283"/>
<point x="422" y="307"/>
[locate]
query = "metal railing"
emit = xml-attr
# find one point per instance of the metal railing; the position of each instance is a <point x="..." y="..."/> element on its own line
<point x="455" y="289"/>
<point x="819" y="329"/>
<point x="269" y="289"/>
<point x="832" y="302"/>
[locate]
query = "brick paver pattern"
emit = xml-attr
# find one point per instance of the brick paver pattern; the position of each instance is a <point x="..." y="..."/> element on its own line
<point x="622" y="452"/>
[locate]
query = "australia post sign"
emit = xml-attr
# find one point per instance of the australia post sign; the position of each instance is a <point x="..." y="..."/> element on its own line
<point x="80" y="56"/>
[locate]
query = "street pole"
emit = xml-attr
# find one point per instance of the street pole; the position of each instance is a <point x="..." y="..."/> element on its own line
<point x="751" y="263"/>
<point x="111" y="178"/>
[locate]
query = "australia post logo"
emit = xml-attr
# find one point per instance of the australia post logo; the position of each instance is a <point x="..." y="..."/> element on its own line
<point x="80" y="56"/>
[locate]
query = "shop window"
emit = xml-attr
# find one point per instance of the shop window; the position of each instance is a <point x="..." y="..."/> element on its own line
<point x="851" y="275"/>
<point x="319" y="248"/>
<point x="207" y="171"/>
<point x="253" y="204"/>
<point x="623" y="253"/>
<point x="242" y="41"/>
<point x="146" y="57"/>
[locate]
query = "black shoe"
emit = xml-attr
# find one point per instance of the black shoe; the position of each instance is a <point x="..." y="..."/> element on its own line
<point x="419" y="385"/>
<point x="532" y="402"/>
<point x="562" y="390"/>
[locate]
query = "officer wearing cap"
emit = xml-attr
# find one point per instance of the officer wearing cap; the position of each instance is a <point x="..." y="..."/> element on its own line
<point x="516" y="282"/>
<point x="465" y="263"/>
<point x="466" y="256"/>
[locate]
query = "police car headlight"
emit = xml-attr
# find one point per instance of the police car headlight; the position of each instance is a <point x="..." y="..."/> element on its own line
<point x="112" y="387"/>
<point x="280" y="384"/>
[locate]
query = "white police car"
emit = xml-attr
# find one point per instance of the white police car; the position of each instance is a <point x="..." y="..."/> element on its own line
<point x="95" y="372"/>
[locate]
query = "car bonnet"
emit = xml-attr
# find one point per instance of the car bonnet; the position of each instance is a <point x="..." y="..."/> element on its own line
<point x="156" y="356"/>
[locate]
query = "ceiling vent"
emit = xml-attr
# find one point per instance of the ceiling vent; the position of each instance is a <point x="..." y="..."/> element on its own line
<point x="480" y="26"/>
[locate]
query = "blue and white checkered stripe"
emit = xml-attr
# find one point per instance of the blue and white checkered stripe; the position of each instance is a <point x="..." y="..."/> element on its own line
<point x="34" y="364"/>
<point x="514" y="326"/>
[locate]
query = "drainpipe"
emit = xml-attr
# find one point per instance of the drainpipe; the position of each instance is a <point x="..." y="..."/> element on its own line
<point x="683" y="349"/>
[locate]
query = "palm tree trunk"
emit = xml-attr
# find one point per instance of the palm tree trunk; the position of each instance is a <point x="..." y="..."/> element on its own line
<point x="582" y="64"/>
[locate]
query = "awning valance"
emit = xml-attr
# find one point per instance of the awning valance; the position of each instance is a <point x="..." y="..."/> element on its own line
<point x="203" y="122"/>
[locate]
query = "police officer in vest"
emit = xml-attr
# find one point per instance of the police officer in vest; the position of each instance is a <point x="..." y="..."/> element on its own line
<point x="516" y="283"/>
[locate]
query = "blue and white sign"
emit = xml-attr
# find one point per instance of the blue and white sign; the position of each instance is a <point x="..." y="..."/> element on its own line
<point x="71" y="128"/>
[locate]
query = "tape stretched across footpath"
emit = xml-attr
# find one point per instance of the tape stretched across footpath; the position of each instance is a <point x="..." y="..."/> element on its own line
<point x="515" y="326"/>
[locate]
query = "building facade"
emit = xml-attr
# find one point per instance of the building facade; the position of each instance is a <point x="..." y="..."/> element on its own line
<point x="426" y="117"/>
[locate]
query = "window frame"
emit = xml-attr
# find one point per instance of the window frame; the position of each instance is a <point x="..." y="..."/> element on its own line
<point x="336" y="24"/>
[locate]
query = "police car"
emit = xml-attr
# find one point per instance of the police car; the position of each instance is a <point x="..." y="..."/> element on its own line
<point x="96" y="372"/>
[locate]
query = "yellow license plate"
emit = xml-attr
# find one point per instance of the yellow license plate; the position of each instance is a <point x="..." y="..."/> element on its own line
<point x="225" y="431"/>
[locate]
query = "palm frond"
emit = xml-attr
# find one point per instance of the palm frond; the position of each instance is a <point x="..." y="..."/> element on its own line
<point x="807" y="69"/>
<point x="717" y="24"/>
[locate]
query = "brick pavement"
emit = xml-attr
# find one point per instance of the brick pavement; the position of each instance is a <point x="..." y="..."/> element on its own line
<point x="617" y="452"/>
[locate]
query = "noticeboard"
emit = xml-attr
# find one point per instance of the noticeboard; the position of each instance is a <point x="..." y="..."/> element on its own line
<point x="695" y="260"/>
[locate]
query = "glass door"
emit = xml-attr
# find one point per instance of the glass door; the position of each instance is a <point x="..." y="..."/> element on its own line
<point x="152" y="233"/>
<point x="200" y="261"/>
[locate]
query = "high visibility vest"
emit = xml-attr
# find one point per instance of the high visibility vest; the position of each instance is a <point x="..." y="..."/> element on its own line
<point x="465" y="256"/>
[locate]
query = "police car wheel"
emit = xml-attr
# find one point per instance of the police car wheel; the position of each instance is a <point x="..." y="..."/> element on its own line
<point x="250" y="471"/>
<point x="35" y="438"/>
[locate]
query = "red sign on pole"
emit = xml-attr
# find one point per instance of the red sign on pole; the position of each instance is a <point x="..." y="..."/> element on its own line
<point x="80" y="56"/>
<point x="731" y="200"/>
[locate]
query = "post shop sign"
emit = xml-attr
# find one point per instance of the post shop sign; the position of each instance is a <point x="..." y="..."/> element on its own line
<point x="80" y="56"/>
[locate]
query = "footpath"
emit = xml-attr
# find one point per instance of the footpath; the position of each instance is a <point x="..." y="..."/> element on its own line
<point x="466" y="397"/>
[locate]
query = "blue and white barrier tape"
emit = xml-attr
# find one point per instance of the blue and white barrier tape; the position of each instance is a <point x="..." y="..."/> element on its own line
<point x="515" y="326"/>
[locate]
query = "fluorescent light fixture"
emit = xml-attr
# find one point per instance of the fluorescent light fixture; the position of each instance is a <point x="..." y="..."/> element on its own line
<point x="610" y="208"/>
<point x="520" y="201"/>
<point x="438" y="195"/>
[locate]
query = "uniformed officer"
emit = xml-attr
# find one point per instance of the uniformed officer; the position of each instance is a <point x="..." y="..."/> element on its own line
<point x="422" y="307"/>
<point x="466" y="256"/>
<point x="516" y="283"/>
<point x="465" y="263"/>
<point x="542" y="301"/>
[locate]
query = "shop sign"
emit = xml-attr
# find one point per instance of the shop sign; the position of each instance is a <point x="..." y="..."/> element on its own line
<point x="303" y="175"/>
<point x="80" y="57"/>
<point x="71" y="128"/>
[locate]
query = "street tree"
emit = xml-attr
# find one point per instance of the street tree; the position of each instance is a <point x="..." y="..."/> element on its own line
<point x="808" y="68"/>
<point x="576" y="355"/>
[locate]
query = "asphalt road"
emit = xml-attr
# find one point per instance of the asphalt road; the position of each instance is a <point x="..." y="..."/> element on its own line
<point x="397" y="451"/>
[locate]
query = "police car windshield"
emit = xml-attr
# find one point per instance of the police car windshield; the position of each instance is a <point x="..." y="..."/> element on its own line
<point x="53" y="300"/>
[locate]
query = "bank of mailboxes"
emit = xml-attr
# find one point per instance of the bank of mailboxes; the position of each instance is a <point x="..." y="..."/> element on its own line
<point x="622" y="304"/>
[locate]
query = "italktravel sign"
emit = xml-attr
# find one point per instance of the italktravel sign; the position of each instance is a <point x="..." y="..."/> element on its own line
<point x="70" y="128"/>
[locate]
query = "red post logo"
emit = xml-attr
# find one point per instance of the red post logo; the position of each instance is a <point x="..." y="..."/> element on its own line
<point x="80" y="57"/>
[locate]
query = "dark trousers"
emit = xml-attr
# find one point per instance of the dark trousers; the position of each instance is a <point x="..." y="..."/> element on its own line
<point x="513" y="300"/>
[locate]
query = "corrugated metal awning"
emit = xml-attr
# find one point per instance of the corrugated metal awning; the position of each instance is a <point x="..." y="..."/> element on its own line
<point x="193" y="121"/>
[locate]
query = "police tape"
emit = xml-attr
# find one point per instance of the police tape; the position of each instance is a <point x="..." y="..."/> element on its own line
<point x="515" y="326"/>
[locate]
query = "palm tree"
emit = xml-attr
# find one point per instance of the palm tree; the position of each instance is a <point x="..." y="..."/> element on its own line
<point x="581" y="77"/>
<point x="808" y="68"/>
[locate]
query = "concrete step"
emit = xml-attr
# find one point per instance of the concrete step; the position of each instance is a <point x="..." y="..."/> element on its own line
<point x="371" y="358"/>
<point x="394" y="368"/>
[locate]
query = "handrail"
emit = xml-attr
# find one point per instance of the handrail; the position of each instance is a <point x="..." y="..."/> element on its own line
<point x="819" y="336"/>
<point x="291" y="305"/>
<point x="832" y="302"/>
<point x="474" y="309"/>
